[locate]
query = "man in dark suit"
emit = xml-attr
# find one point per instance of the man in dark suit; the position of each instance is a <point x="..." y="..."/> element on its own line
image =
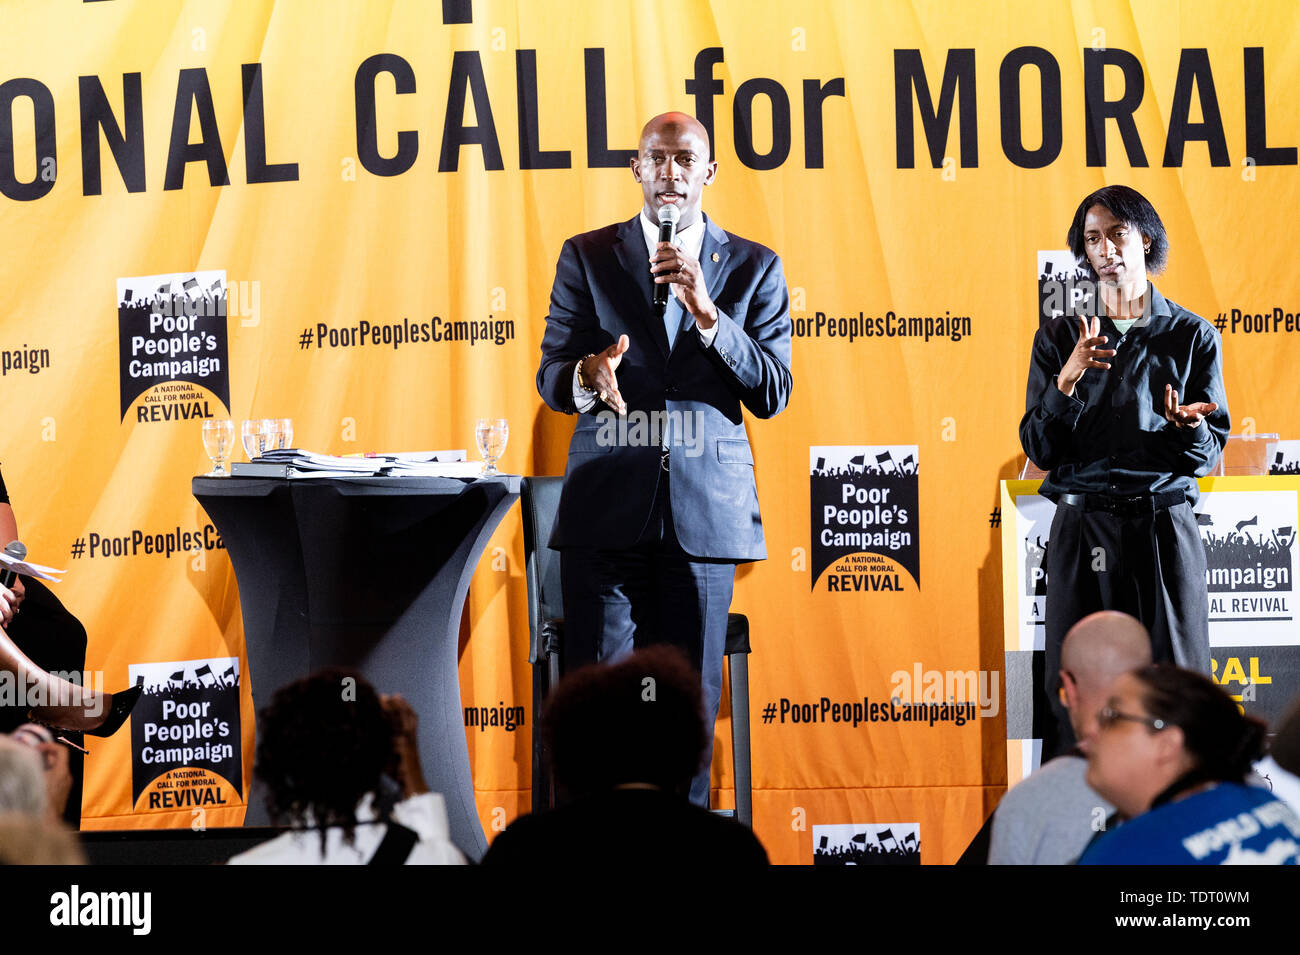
<point x="659" y="501"/>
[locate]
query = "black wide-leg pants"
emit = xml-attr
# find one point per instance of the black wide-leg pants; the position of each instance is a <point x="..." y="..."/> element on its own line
<point x="1149" y="565"/>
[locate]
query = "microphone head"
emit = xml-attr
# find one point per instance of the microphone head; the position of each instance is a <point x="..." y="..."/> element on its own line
<point x="17" y="550"/>
<point x="669" y="212"/>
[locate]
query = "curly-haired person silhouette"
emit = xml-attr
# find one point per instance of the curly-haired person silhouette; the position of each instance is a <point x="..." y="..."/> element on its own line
<point x="341" y="768"/>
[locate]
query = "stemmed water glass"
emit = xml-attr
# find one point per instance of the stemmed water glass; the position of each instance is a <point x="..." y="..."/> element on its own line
<point x="218" y="442"/>
<point x="255" y="437"/>
<point x="284" y="432"/>
<point x="491" y="435"/>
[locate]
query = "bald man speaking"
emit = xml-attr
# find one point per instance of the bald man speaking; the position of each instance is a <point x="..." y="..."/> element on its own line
<point x="659" y="501"/>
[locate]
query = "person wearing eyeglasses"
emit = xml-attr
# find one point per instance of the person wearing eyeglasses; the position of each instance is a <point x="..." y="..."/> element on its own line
<point x="1172" y="754"/>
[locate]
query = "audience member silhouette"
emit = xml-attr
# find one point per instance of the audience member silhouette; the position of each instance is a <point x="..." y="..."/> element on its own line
<point x="626" y="739"/>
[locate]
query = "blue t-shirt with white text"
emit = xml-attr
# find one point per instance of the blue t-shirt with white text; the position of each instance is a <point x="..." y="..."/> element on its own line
<point x="1230" y="824"/>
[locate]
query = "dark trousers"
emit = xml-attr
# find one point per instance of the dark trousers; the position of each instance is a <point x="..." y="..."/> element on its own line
<point x="1149" y="565"/>
<point x="616" y="601"/>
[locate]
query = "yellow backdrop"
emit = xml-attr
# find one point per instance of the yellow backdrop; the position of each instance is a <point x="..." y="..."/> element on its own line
<point x="388" y="164"/>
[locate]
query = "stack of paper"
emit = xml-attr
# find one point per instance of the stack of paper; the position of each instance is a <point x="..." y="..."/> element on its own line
<point x="297" y="463"/>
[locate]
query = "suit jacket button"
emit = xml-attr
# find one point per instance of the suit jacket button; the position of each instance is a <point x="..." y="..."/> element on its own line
<point x="670" y="390"/>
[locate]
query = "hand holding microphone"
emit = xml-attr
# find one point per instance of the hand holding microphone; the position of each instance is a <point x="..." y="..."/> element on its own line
<point x="668" y="216"/>
<point x="671" y="266"/>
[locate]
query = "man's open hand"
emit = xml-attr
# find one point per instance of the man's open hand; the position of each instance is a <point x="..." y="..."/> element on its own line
<point x="1186" y="416"/>
<point x="1087" y="354"/>
<point x="598" y="370"/>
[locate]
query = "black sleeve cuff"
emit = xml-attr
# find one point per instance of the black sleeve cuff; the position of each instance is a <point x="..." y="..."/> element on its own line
<point x="1060" y="405"/>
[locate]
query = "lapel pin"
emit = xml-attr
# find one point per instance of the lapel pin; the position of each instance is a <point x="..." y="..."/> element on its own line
<point x="714" y="256"/>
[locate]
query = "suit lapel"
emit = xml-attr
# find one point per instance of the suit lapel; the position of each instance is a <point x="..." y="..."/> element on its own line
<point x="631" y="253"/>
<point x="715" y="244"/>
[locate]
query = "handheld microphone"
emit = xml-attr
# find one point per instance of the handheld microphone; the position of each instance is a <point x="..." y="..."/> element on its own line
<point x="18" y="551"/>
<point x="668" y="216"/>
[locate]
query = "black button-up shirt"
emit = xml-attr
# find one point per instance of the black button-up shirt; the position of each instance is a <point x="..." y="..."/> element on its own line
<point x="1111" y="436"/>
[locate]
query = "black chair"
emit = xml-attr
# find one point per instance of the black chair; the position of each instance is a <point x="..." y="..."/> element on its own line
<point x="540" y="497"/>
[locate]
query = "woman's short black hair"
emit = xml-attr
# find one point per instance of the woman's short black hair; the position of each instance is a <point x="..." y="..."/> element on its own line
<point x="322" y="744"/>
<point x="1127" y="205"/>
<point x="1222" y="741"/>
